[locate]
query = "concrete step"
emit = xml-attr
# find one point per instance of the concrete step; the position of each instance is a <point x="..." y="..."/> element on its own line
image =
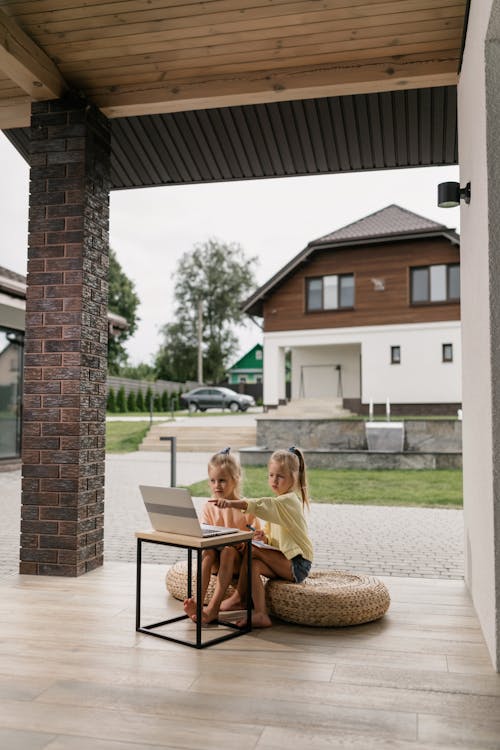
<point x="199" y="439"/>
<point x="310" y="408"/>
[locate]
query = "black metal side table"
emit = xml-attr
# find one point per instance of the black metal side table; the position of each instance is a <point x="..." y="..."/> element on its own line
<point x="197" y="544"/>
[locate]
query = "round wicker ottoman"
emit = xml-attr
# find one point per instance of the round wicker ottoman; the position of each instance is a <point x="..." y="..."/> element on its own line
<point x="176" y="582"/>
<point x="328" y="598"/>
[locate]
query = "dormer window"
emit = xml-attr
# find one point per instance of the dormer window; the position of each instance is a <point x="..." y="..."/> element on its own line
<point x="330" y="292"/>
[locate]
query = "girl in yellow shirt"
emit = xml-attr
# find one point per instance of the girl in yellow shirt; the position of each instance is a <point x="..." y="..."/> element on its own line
<point x="287" y="552"/>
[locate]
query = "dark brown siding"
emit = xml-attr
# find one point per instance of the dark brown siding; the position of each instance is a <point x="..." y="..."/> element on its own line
<point x="285" y="309"/>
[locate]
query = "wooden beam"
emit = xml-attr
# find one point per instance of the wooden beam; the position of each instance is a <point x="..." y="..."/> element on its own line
<point x="261" y="87"/>
<point x="26" y="64"/>
<point x="15" y="113"/>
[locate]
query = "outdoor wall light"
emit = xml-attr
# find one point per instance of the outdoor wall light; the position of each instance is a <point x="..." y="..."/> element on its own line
<point x="450" y="194"/>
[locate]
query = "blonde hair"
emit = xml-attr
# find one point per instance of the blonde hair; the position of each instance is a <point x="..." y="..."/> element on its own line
<point x="292" y="461"/>
<point x="226" y="461"/>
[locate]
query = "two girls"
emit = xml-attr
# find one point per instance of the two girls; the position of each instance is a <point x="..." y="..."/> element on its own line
<point x="289" y="552"/>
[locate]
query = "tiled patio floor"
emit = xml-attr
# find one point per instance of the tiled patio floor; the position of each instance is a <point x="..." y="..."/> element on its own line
<point x="74" y="674"/>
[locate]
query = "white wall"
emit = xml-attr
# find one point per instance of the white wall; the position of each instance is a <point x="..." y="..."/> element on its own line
<point x="422" y="377"/>
<point x="478" y="250"/>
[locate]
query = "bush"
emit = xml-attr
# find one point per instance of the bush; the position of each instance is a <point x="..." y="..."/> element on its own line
<point x="121" y="401"/>
<point x="157" y="402"/>
<point x="131" y="402"/>
<point x="149" y="398"/>
<point x="139" y="401"/>
<point x="111" y="402"/>
<point x="165" y="401"/>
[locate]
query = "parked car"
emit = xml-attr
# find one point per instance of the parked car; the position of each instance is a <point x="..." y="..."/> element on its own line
<point x="216" y="397"/>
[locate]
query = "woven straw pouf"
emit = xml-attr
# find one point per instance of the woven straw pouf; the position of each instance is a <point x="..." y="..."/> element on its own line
<point x="176" y="582"/>
<point x="328" y="598"/>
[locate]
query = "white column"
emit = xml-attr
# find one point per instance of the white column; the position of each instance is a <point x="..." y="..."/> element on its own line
<point x="271" y="378"/>
<point x="281" y="375"/>
<point x="479" y="150"/>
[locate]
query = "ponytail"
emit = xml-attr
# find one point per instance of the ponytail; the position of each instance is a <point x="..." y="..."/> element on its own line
<point x="293" y="460"/>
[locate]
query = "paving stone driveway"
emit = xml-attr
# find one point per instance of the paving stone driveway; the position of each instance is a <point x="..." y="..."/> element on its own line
<point x="383" y="540"/>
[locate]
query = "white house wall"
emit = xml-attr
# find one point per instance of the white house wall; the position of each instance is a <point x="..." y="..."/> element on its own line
<point x="422" y="377"/>
<point x="479" y="151"/>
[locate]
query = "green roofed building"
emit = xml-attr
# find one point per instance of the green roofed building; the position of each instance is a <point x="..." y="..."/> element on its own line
<point x="249" y="368"/>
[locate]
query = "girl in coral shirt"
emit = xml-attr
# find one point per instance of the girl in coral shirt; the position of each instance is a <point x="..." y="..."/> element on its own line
<point x="224" y="477"/>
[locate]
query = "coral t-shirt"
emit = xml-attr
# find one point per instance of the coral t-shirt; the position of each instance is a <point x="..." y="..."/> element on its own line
<point x="230" y="517"/>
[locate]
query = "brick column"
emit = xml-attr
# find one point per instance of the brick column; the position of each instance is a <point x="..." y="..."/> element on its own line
<point x="64" y="405"/>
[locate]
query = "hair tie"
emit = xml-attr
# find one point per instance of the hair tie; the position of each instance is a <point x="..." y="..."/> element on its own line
<point x="224" y="452"/>
<point x="297" y="453"/>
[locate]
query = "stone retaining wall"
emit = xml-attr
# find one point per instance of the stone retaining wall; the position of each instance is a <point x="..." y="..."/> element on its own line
<point x="421" y="435"/>
<point x="325" y="459"/>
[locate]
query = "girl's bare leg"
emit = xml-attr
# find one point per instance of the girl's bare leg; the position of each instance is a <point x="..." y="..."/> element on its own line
<point x="208" y="561"/>
<point x="229" y="562"/>
<point x="271" y="564"/>
<point x="237" y="600"/>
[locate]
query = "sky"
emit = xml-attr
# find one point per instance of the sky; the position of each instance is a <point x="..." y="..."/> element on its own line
<point x="273" y="219"/>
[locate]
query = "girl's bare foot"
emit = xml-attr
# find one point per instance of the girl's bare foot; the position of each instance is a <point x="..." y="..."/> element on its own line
<point x="231" y="603"/>
<point x="190" y="610"/>
<point x="259" y="620"/>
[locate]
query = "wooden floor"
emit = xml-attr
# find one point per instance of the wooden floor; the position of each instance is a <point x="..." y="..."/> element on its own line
<point x="74" y="675"/>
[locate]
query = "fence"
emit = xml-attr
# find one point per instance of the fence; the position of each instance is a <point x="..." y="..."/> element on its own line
<point x="157" y="386"/>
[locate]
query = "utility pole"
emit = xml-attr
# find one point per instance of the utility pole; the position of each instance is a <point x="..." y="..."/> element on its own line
<point x="200" y="339"/>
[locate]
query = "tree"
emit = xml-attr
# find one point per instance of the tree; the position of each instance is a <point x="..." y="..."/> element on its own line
<point x="131" y="403"/>
<point x="141" y="371"/>
<point x="218" y="276"/>
<point x="111" y="402"/>
<point x="121" y="400"/>
<point x="124" y="301"/>
<point x="139" y="401"/>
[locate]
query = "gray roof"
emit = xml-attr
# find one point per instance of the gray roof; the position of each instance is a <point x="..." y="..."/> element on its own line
<point x="392" y="220"/>
<point x="14" y="285"/>
<point x="390" y="223"/>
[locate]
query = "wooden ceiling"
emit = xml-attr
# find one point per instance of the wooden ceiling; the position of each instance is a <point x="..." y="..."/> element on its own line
<point x="242" y="89"/>
<point x="149" y="57"/>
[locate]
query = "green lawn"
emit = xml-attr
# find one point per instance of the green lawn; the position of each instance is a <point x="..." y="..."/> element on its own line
<point x="424" y="488"/>
<point x="124" y="437"/>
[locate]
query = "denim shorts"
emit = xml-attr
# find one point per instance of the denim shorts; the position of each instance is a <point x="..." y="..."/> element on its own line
<point x="300" y="568"/>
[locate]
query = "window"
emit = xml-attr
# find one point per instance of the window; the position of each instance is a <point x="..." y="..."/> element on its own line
<point x="395" y="355"/>
<point x="447" y="352"/>
<point x="258" y="354"/>
<point x="330" y="292"/>
<point x="439" y="283"/>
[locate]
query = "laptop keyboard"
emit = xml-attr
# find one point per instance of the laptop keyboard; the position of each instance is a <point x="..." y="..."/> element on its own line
<point x="209" y="530"/>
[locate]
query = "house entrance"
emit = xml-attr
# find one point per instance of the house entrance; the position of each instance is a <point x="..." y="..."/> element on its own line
<point x="320" y="381"/>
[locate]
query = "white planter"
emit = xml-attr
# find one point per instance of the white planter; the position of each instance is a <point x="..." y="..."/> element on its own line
<point x="385" y="436"/>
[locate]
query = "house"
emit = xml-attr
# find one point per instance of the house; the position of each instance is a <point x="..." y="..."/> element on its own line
<point x="369" y="313"/>
<point x="248" y="369"/>
<point x="12" y="326"/>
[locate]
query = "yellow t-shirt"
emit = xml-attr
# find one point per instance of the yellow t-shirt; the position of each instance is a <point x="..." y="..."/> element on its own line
<point x="286" y="526"/>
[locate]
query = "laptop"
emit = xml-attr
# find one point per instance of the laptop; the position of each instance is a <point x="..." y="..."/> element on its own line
<point x="171" y="509"/>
